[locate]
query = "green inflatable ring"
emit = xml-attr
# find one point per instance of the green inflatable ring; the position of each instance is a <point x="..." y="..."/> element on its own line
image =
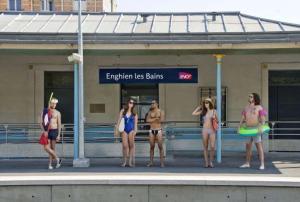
<point x="244" y="131"/>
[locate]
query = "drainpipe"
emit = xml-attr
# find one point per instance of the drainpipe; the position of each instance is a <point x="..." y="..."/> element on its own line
<point x="62" y="6"/>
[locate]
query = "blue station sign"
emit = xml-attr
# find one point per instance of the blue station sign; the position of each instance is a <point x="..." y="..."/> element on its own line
<point x="149" y="75"/>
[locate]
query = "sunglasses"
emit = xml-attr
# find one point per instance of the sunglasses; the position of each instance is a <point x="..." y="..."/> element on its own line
<point x="206" y="102"/>
<point x="131" y="102"/>
<point x="153" y="103"/>
<point x="250" y="96"/>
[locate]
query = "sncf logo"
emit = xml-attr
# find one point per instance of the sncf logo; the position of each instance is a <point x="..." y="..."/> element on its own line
<point x="185" y="76"/>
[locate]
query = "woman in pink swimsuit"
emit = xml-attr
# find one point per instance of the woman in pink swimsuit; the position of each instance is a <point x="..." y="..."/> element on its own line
<point x="208" y="133"/>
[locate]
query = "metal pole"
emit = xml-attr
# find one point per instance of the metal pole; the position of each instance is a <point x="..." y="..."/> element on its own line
<point x="82" y="161"/>
<point x="76" y="115"/>
<point x="219" y="106"/>
<point x="80" y="82"/>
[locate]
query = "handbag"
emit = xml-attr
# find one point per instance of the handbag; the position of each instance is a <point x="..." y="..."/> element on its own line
<point x="121" y="125"/>
<point x="215" y="123"/>
<point x="43" y="139"/>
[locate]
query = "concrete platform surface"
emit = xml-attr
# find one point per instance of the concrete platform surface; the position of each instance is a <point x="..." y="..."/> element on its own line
<point x="282" y="169"/>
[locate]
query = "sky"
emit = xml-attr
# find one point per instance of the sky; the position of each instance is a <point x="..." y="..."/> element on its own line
<point x="281" y="10"/>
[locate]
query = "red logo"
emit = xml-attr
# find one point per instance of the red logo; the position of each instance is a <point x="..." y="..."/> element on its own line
<point x="185" y="76"/>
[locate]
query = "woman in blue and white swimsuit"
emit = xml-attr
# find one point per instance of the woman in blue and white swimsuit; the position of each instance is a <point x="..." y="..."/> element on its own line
<point x="128" y="135"/>
<point x="208" y="133"/>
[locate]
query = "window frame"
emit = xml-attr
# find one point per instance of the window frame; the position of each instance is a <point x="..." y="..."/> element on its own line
<point x="15" y="5"/>
<point x="210" y="91"/>
<point x="47" y="3"/>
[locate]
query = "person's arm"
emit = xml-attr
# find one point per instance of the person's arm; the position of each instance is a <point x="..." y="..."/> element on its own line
<point x="243" y="119"/>
<point x="41" y="125"/>
<point x="197" y="111"/>
<point x="262" y="118"/>
<point x="149" y="119"/>
<point x="216" y="115"/>
<point x="136" y="124"/>
<point x="41" y="122"/>
<point x="120" y="117"/>
<point x="58" y="125"/>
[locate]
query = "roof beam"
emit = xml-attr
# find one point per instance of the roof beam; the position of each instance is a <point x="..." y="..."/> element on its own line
<point x="22" y="30"/>
<point x="242" y="24"/>
<point x="223" y="22"/>
<point x="281" y="27"/>
<point x="84" y="20"/>
<point x="100" y="23"/>
<point x="188" y="23"/>
<point x="135" y="23"/>
<point x="261" y="25"/>
<point x="118" y="23"/>
<point x="17" y="17"/>
<point x="48" y="21"/>
<point x="66" y="21"/>
<point x="152" y="24"/>
<point x="205" y="23"/>
<point x="171" y="23"/>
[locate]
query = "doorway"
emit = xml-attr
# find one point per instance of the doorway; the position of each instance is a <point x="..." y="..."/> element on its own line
<point x="61" y="83"/>
<point x="284" y="105"/>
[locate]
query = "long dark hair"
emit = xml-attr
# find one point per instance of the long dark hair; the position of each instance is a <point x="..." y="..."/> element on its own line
<point x="126" y="108"/>
<point x="256" y="98"/>
<point x="204" y="110"/>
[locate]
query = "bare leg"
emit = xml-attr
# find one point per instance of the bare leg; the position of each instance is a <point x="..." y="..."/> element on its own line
<point x="51" y="153"/>
<point x="260" y="151"/>
<point x="160" y="142"/>
<point x="205" y="147"/>
<point x="131" y="138"/>
<point x="212" y="140"/>
<point x="125" y="148"/>
<point x="248" y="152"/>
<point x="53" y="147"/>
<point x="152" y="146"/>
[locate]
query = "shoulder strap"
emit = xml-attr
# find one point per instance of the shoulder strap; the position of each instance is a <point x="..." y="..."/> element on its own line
<point x="50" y="116"/>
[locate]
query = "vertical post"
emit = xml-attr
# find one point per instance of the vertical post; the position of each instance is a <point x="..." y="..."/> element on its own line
<point x="81" y="161"/>
<point x="80" y="82"/>
<point x="219" y="58"/>
<point x="76" y="115"/>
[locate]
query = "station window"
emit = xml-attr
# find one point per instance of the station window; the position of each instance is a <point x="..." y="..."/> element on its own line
<point x="143" y="94"/>
<point x="14" y="5"/>
<point x="210" y="92"/>
<point x="47" y="5"/>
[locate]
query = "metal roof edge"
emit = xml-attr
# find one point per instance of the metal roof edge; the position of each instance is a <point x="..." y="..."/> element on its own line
<point x="124" y="13"/>
<point x="269" y="20"/>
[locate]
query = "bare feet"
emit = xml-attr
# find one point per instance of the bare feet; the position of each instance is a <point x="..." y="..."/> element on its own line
<point x="123" y="164"/>
<point x="150" y="164"/>
<point x="246" y="165"/>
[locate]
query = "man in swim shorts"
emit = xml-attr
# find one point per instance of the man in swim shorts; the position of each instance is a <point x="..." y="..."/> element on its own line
<point x="254" y="116"/>
<point x="53" y="133"/>
<point x="154" y="118"/>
